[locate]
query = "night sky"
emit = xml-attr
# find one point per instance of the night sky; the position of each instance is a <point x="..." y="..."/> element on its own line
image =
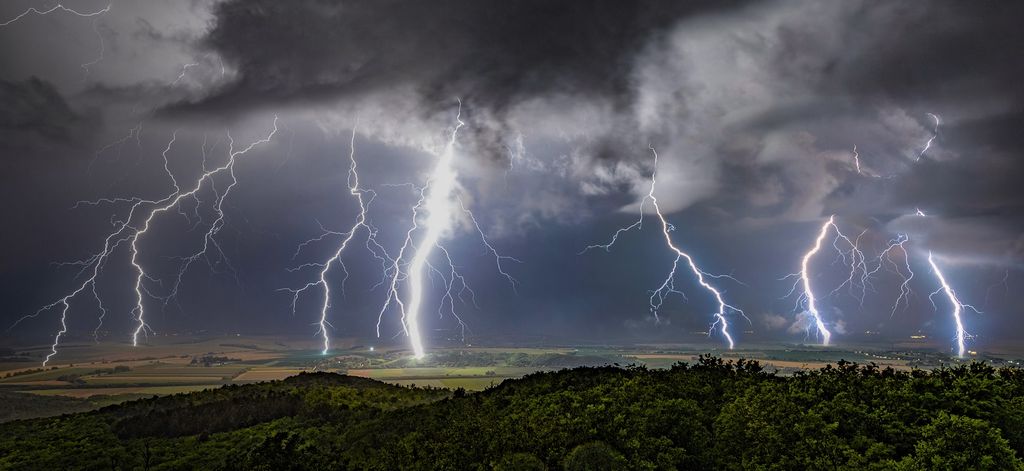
<point x="754" y="109"/>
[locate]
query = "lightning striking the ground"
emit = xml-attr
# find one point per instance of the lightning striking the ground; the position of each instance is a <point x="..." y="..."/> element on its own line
<point x="142" y="212"/>
<point x="958" y="306"/>
<point x="437" y="200"/>
<point x="171" y="202"/>
<point x="667" y="287"/>
<point x="807" y="295"/>
<point x="363" y="198"/>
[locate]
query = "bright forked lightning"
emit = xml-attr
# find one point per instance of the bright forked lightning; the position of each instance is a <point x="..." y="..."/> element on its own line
<point x="935" y="133"/>
<point x="903" y="270"/>
<point x="958" y="306"/>
<point x="126" y="230"/>
<point x="805" y="280"/>
<point x="325" y="266"/>
<point x="58" y="7"/>
<point x="667" y="287"/>
<point x="172" y="201"/>
<point x="437" y="200"/>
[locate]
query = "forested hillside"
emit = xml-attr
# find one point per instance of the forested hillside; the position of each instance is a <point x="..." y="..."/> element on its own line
<point x="712" y="415"/>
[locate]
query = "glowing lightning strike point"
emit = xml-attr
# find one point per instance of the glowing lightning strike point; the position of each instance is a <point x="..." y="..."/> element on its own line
<point x="805" y="279"/>
<point x="935" y="133"/>
<point x="958" y="306"/>
<point x="435" y="200"/>
<point x="60" y="7"/>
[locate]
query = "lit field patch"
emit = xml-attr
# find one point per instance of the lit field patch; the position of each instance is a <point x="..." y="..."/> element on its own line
<point x="267" y="374"/>
<point x="51" y="382"/>
<point x="48" y="375"/>
<point x="175" y="370"/>
<point x="471" y="384"/>
<point x="89" y="392"/>
<point x="665" y="356"/>
<point x="385" y="374"/>
<point x="118" y="379"/>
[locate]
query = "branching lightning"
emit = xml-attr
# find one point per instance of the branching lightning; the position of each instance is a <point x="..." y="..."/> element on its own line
<point x="667" y="287"/>
<point x="364" y="198"/>
<point x="172" y="201"/>
<point x="61" y="8"/>
<point x="58" y="7"/>
<point x="126" y="231"/>
<point x="807" y="296"/>
<point x="437" y="200"/>
<point x="958" y="306"/>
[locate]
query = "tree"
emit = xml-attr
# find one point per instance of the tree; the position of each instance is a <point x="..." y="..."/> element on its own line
<point x="952" y="442"/>
<point x="595" y="456"/>
<point x="520" y="462"/>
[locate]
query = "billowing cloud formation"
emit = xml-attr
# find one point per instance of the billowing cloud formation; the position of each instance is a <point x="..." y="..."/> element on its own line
<point x="754" y="107"/>
<point x="760" y="101"/>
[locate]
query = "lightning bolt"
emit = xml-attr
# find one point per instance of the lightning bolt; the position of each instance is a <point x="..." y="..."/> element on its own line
<point x="856" y="159"/>
<point x="904" y="271"/>
<point x="667" y="286"/>
<point x="364" y="198"/>
<point x="184" y="70"/>
<point x="807" y="295"/>
<point x="958" y="306"/>
<point x="172" y="201"/>
<point x="126" y="231"/>
<point x="962" y="336"/>
<point x="61" y="8"/>
<point x="58" y="7"/>
<point x="437" y="202"/>
<point x="935" y="133"/>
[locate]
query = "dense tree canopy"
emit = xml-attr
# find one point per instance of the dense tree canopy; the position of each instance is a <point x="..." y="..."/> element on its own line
<point x="712" y="415"/>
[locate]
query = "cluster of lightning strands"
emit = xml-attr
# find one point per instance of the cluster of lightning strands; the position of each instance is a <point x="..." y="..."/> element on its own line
<point x="854" y="257"/>
<point x="667" y="287"/>
<point x="857" y="261"/>
<point x="437" y="200"/>
<point x="130" y="230"/>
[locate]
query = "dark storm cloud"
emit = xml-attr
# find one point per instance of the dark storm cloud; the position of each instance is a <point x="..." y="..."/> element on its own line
<point x="754" y="108"/>
<point x="490" y="53"/>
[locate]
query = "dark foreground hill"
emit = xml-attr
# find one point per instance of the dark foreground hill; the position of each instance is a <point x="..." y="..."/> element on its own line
<point x="712" y="415"/>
